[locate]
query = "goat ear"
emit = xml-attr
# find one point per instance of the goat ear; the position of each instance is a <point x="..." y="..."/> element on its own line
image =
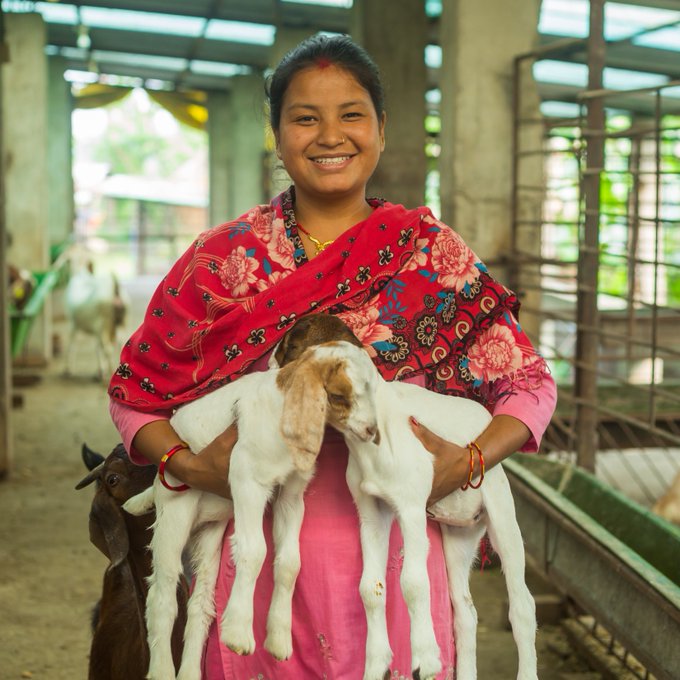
<point x="91" y="458"/>
<point x="304" y="408"/>
<point x="108" y="531"/>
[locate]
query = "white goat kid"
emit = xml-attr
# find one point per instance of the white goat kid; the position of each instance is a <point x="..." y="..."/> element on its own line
<point x="392" y="476"/>
<point x="281" y="414"/>
<point x="96" y="305"/>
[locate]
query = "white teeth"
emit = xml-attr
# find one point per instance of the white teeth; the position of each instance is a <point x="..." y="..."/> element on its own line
<point x="331" y="161"/>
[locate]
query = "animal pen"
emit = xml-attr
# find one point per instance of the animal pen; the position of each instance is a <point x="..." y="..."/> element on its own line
<point x="599" y="276"/>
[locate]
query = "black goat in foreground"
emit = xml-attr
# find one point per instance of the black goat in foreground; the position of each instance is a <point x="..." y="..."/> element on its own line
<point x="119" y="648"/>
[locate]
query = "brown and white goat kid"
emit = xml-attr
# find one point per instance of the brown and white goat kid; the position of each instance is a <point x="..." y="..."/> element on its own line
<point x="391" y="476"/>
<point x="276" y="449"/>
<point x="119" y="650"/>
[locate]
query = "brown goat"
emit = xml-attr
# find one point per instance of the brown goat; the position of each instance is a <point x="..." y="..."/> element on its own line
<point x="119" y="648"/>
<point x="313" y="329"/>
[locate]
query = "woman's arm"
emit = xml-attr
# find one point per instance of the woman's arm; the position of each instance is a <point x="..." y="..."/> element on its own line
<point x="148" y="437"/>
<point x="207" y="471"/>
<point x="504" y="435"/>
<point x="519" y="421"/>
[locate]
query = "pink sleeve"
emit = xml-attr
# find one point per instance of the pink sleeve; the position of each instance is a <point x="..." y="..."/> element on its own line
<point x="533" y="406"/>
<point x="128" y="422"/>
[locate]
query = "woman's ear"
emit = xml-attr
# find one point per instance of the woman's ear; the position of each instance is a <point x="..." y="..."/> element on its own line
<point x="383" y="120"/>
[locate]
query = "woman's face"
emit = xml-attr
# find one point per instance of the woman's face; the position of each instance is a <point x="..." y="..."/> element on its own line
<point x="329" y="136"/>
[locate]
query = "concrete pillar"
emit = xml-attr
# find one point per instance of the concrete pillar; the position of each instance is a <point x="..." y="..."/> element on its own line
<point x="247" y="144"/>
<point x="236" y="143"/>
<point x="395" y="35"/>
<point x="24" y="113"/>
<point x="219" y="120"/>
<point x="59" y="155"/>
<point x="479" y="43"/>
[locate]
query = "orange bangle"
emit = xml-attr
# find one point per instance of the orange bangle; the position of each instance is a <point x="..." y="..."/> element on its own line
<point x="474" y="446"/>
<point x="163" y="463"/>
<point x="466" y="486"/>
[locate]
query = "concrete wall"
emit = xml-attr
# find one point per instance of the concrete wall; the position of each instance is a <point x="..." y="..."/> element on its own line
<point x="480" y="41"/>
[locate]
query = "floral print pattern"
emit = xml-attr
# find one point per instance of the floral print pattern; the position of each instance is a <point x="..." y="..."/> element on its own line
<point x="407" y="285"/>
<point x="237" y="273"/>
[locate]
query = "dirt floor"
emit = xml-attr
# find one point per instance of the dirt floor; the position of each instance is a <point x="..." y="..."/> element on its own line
<point x="50" y="574"/>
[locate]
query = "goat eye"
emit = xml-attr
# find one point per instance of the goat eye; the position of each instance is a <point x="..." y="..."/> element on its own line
<point x="112" y="480"/>
<point x="337" y="399"/>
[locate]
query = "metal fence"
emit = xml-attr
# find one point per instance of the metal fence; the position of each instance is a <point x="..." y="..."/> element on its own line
<point x="604" y="290"/>
<point x="599" y="273"/>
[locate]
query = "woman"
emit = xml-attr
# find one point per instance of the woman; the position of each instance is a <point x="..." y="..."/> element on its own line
<point x="423" y="305"/>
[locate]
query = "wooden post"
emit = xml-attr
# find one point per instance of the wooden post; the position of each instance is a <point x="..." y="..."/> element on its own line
<point x="587" y="337"/>
<point x="5" y="360"/>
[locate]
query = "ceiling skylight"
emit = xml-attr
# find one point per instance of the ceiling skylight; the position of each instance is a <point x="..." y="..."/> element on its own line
<point x="149" y="22"/>
<point x="324" y="3"/>
<point x="576" y="75"/>
<point x="664" y="39"/>
<point x="571" y="18"/>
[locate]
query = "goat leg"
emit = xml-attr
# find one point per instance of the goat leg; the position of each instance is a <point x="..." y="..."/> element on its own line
<point x="506" y="540"/>
<point x="288" y="514"/>
<point x="415" y="586"/>
<point x="205" y="559"/>
<point x="460" y="550"/>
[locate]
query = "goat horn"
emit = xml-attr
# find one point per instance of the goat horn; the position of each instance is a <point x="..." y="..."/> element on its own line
<point x="88" y="479"/>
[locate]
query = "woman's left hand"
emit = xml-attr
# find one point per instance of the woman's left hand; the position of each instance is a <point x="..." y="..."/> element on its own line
<point x="451" y="462"/>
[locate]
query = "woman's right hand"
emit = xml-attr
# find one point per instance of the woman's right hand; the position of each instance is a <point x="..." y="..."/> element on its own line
<point x="206" y="471"/>
<point x="209" y="469"/>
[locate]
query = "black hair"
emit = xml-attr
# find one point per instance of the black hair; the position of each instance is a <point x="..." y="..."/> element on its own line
<point x="339" y="50"/>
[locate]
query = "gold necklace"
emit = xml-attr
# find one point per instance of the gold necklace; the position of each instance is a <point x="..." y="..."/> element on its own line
<point x="319" y="245"/>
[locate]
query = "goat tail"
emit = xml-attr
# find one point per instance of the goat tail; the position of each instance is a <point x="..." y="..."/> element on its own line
<point x="142" y="503"/>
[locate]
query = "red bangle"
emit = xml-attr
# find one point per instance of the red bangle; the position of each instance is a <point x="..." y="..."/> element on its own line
<point x="163" y="463"/>
<point x="474" y="446"/>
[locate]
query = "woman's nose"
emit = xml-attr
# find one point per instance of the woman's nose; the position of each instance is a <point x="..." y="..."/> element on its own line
<point x="331" y="135"/>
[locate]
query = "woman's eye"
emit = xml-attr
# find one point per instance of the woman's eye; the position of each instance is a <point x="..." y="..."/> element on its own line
<point x="304" y="119"/>
<point x="353" y="114"/>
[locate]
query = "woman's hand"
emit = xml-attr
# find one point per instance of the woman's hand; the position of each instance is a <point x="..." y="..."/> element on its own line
<point x="451" y="462"/>
<point x="206" y="471"/>
<point x="209" y="469"/>
<point x="504" y="435"/>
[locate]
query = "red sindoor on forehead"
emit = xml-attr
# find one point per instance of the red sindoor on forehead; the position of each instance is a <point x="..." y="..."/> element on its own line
<point x="323" y="62"/>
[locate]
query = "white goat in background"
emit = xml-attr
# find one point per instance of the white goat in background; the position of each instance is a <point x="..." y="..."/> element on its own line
<point x="95" y="305"/>
<point x="392" y="477"/>
<point x="281" y="415"/>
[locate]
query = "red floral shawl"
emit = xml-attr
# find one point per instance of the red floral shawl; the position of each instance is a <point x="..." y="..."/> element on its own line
<point x="406" y="284"/>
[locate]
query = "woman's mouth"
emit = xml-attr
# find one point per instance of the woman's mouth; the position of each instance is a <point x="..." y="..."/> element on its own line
<point x="337" y="160"/>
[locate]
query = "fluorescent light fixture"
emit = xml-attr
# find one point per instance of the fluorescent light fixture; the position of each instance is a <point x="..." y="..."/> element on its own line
<point x="142" y="60"/>
<point x="241" y="31"/>
<point x="216" y="68"/>
<point x="323" y="3"/>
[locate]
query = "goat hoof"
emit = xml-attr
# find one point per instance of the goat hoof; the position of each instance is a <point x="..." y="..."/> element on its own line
<point x="387" y="675"/>
<point x="239" y="641"/>
<point x="279" y="645"/>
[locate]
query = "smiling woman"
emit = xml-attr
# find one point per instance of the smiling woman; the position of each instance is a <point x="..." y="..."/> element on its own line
<point x="422" y="304"/>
